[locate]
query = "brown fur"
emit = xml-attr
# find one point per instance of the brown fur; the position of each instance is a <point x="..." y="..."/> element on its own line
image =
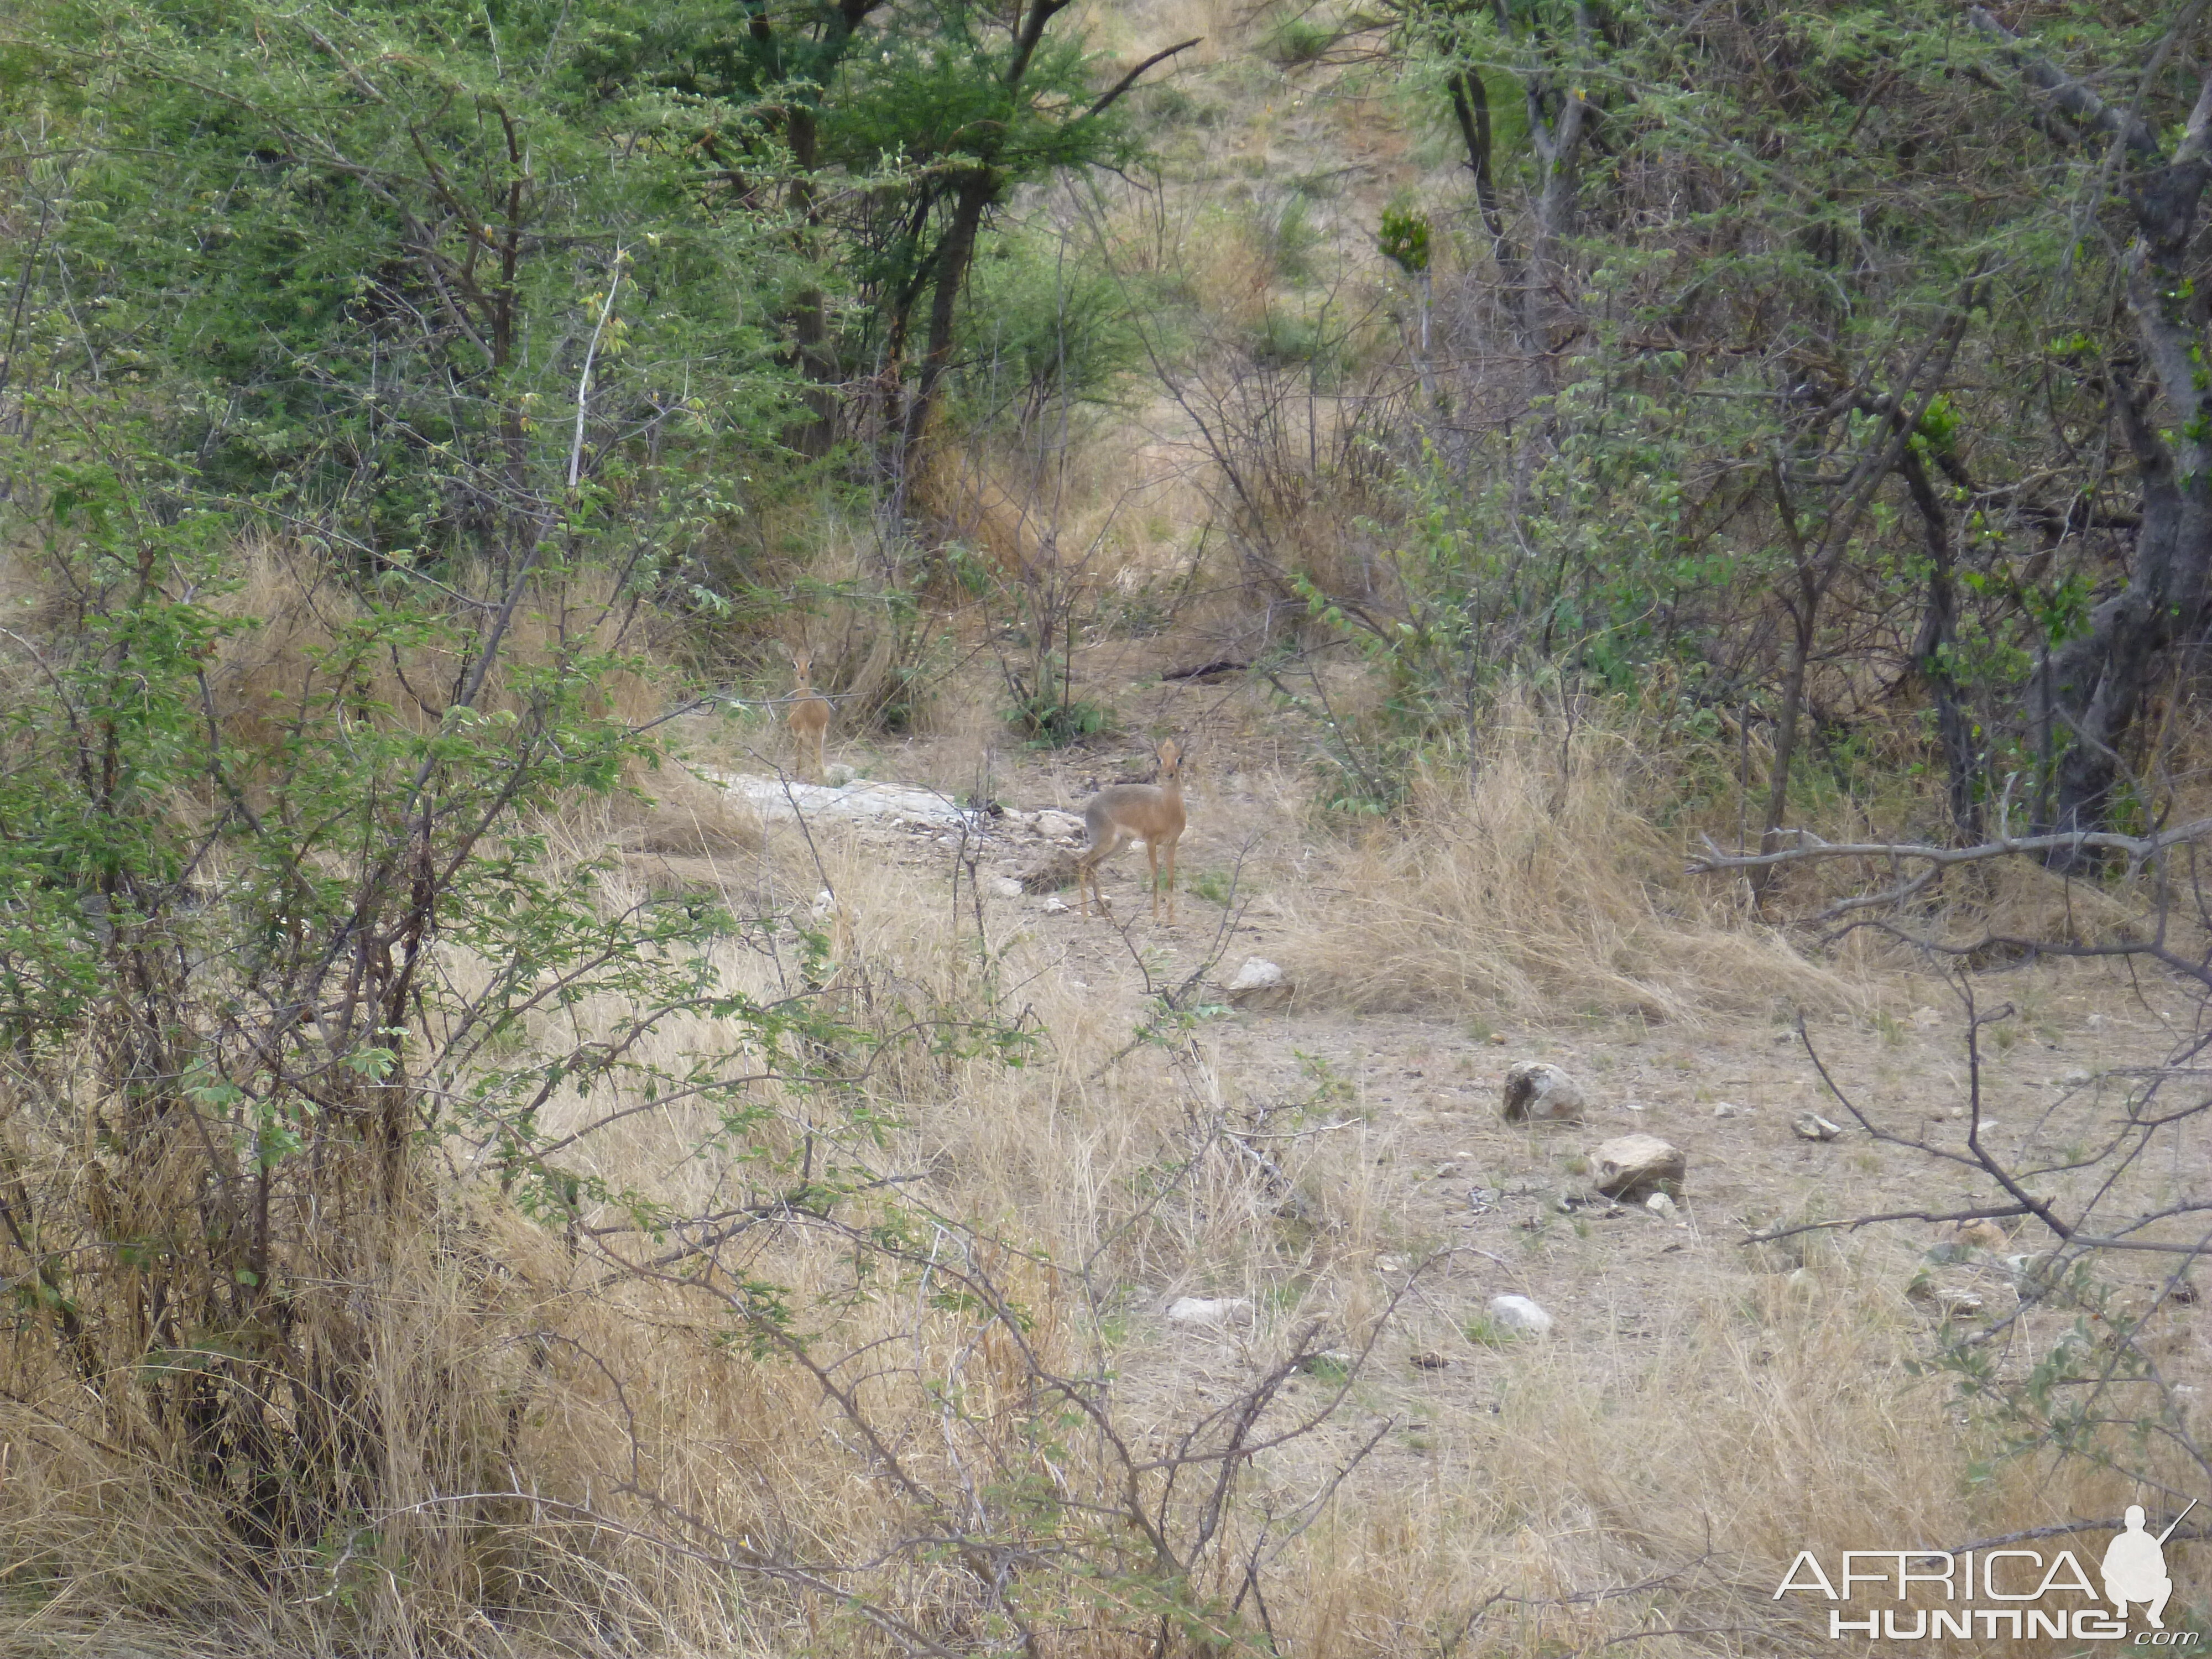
<point x="1126" y="811"/>
<point x="810" y="714"/>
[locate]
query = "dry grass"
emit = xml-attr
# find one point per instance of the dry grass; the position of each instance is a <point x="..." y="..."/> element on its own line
<point x="579" y="1451"/>
<point x="1545" y="885"/>
<point x="1801" y="1430"/>
<point x="659" y="1468"/>
<point x="298" y="612"/>
<point x="1545" y="1474"/>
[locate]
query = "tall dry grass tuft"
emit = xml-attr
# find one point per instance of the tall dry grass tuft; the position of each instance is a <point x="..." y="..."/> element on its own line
<point x="857" y="599"/>
<point x="1543" y="882"/>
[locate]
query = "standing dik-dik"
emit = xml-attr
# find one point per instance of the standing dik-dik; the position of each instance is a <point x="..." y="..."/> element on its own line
<point x="1151" y="812"/>
<point x="809" y="712"/>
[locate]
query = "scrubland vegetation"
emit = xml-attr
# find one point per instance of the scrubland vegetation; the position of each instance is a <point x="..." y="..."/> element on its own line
<point x="1676" y="541"/>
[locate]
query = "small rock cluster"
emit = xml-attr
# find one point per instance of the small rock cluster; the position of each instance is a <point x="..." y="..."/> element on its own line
<point x="1628" y="1167"/>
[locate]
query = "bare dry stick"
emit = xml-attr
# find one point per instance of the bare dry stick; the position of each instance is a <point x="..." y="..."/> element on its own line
<point x="583" y="379"/>
<point x="1811" y="849"/>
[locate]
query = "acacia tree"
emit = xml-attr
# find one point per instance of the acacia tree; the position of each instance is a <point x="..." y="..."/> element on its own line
<point x="1884" y="317"/>
<point x="978" y="102"/>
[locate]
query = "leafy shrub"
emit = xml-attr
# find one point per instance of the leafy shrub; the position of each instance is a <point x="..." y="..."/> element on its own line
<point x="1299" y="39"/>
<point x="1044" y="325"/>
<point x="1404" y="239"/>
<point x="1050" y="717"/>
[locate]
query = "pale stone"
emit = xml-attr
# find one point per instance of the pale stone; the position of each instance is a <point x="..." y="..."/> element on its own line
<point x="1209" y="1310"/>
<point x="1634" y="1164"/>
<point x="1536" y="1091"/>
<point x="1518" y="1313"/>
<point x="1256" y="974"/>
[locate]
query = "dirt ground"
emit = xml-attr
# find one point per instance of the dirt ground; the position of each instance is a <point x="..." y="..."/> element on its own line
<point x="1475" y="1202"/>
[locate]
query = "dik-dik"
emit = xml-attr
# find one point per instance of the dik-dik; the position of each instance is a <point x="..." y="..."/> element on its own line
<point x="809" y="713"/>
<point x="1151" y="812"/>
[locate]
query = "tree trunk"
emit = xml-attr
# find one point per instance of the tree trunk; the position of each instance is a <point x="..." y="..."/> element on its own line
<point x="1471" y="106"/>
<point x="1931" y="655"/>
<point x="971" y="200"/>
<point x="2089" y="689"/>
<point x="1804" y="616"/>
<point x="810" y="315"/>
<point x="2095" y="684"/>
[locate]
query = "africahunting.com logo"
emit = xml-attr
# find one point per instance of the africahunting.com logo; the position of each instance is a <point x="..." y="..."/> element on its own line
<point x="1992" y="1593"/>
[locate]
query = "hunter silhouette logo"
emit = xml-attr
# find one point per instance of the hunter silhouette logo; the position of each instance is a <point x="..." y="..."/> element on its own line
<point x="2134" y="1567"/>
<point x="2022" y="1594"/>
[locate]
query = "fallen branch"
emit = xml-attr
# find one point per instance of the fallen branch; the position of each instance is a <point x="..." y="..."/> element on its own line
<point x="1854" y="1223"/>
<point x="1810" y="848"/>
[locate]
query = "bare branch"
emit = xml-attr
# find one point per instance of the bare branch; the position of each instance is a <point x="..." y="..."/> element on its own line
<point x="1992" y="1213"/>
<point x="2069" y="94"/>
<point x="1136" y="74"/>
<point x="1811" y="849"/>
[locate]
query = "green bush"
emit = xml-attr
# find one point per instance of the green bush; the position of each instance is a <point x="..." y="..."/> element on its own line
<point x="1045" y="325"/>
<point x="1298" y="40"/>
<point x="1049" y="717"/>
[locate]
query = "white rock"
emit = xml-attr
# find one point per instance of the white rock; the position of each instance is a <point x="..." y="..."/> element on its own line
<point x="1258" y="984"/>
<point x="1728" y="1108"/>
<point x="1518" y="1313"/>
<point x="1257" y="974"/>
<point x="779" y="798"/>
<point x="1927" y="1018"/>
<point x="1632" y="1163"/>
<point x="1535" y="1092"/>
<point x="1661" y="1206"/>
<point x="1958" y="1305"/>
<point x="1055" y="906"/>
<point x="1006" y="887"/>
<point x="2076" y="1079"/>
<point x="1209" y="1310"/>
<point x="1633" y="1106"/>
<point x="1392" y="1264"/>
<point x="1814" y="1127"/>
